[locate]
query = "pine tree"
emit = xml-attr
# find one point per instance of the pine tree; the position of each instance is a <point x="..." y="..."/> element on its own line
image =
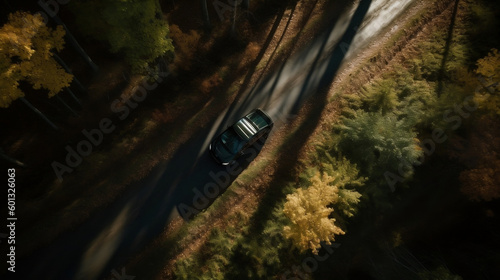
<point x="379" y="143"/>
<point x="381" y="97"/>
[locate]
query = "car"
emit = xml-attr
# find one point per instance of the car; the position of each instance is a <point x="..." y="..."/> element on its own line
<point x="237" y="138"/>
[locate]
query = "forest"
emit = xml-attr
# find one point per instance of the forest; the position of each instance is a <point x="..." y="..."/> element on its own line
<point x="390" y="170"/>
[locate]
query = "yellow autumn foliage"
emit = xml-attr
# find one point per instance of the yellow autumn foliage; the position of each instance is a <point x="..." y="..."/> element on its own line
<point x="25" y="55"/>
<point x="489" y="69"/>
<point x="309" y="213"/>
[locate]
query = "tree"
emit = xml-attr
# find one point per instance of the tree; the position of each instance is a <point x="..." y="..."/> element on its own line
<point x="26" y="46"/>
<point x="489" y="70"/>
<point x="379" y="143"/>
<point x="381" y="96"/>
<point x="489" y="66"/>
<point x="133" y="28"/>
<point x="309" y="213"/>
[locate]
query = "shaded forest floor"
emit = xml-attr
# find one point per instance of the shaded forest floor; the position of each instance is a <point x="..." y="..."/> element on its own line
<point x="186" y="241"/>
<point x="204" y="81"/>
<point x="432" y="239"/>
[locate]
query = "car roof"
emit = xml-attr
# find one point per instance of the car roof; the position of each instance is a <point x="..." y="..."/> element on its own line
<point x="259" y="118"/>
<point x="251" y="124"/>
<point x="245" y="128"/>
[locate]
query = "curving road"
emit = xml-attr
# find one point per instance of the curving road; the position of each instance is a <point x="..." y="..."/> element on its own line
<point x="106" y="240"/>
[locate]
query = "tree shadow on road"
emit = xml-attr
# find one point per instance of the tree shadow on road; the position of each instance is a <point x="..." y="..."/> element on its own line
<point x="288" y="158"/>
<point x="172" y="183"/>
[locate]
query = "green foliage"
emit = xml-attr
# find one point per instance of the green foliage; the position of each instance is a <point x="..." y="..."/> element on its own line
<point x="381" y="97"/>
<point x="378" y="131"/>
<point x="347" y="201"/>
<point x="348" y="181"/>
<point x="261" y="254"/>
<point x="378" y="142"/>
<point x="132" y="28"/>
<point x="399" y="93"/>
<point x="240" y="253"/>
<point x="430" y="62"/>
<point x="347" y="174"/>
<point x="483" y="22"/>
<point x="184" y="268"/>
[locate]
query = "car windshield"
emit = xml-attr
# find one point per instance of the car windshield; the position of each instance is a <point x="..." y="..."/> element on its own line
<point x="258" y="119"/>
<point x="231" y="141"/>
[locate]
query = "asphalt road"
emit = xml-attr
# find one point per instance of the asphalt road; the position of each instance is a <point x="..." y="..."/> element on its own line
<point x="106" y="240"/>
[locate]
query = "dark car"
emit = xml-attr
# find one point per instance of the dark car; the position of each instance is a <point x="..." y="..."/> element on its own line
<point x="232" y="143"/>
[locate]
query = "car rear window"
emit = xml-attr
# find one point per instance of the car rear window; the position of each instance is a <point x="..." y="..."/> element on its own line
<point x="258" y="119"/>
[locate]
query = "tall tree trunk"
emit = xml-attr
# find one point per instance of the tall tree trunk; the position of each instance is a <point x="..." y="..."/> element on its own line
<point x="76" y="46"/>
<point x="40" y="114"/>
<point x="59" y="60"/>
<point x="206" y="17"/>
<point x="70" y="93"/>
<point x="68" y="108"/>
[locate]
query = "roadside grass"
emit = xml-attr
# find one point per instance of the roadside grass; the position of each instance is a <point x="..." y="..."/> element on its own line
<point x="207" y="262"/>
<point x="233" y="224"/>
<point x="142" y="264"/>
<point x="371" y="67"/>
<point x="102" y="176"/>
<point x="429" y="45"/>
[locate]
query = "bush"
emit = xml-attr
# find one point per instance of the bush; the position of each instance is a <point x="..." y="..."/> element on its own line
<point x="134" y="29"/>
<point x="378" y="143"/>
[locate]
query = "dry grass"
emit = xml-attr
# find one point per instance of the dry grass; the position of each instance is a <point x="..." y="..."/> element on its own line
<point x="251" y="185"/>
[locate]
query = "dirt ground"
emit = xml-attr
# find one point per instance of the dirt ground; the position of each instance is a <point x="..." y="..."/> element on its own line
<point x="350" y="78"/>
